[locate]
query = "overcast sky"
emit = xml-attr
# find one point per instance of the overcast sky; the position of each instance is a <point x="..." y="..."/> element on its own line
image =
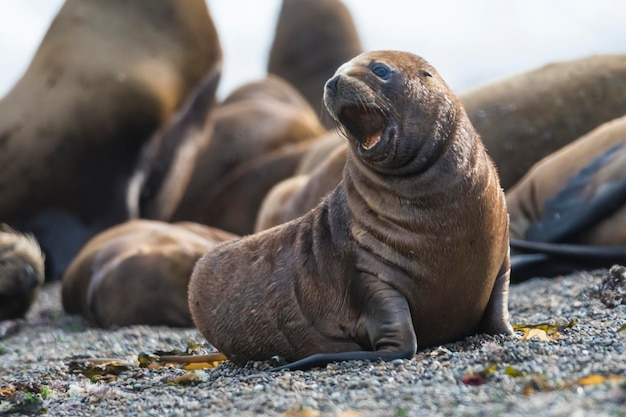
<point x="470" y="42"/>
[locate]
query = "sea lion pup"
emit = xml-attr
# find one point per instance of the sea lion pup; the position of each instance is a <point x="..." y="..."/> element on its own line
<point x="312" y="38"/>
<point x="527" y="117"/>
<point x="409" y="251"/>
<point x="106" y="75"/>
<point x="21" y="272"/>
<point x="137" y="273"/>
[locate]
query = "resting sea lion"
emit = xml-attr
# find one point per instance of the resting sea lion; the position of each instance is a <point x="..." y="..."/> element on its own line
<point x="244" y="129"/>
<point x="321" y="149"/>
<point x="318" y="172"/>
<point x="189" y="163"/>
<point x="272" y="88"/>
<point x="571" y="206"/>
<point x="409" y="251"/>
<point x="547" y="202"/>
<point x="167" y="161"/>
<point x="234" y="202"/>
<point x="137" y="273"/>
<point x="106" y="75"/>
<point x="295" y="196"/>
<point x="312" y="38"/>
<point x="527" y="117"/>
<point x="21" y="272"/>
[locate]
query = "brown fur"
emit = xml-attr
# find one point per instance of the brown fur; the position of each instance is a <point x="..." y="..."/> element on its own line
<point x="106" y="75"/>
<point x="321" y="150"/>
<point x="137" y="273"/>
<point x="313" y="37"/>
<point x="233" y="204"/>
<point x="529" y="116"/>
<point x="409" y="251"/>
<point x="295" y="196"/>
<point x="168" y="159"/>
<point x="245" y="129"/>
<point x="21" y="272"/>
<point x="271" y="88"/>
<point x="527" y="200"/>
<point x="185" y="166"/>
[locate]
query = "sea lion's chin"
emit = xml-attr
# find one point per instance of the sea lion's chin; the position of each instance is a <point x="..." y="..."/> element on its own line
<point x="366" y="126"/>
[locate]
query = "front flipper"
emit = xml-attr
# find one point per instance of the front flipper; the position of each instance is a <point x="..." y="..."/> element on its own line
<point x="593" y="194"/>
<point x="386" y="325"/>
<point x="496" y="317"/>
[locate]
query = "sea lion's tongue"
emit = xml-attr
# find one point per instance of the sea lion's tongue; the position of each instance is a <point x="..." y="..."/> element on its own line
<point x="365" y="123"/>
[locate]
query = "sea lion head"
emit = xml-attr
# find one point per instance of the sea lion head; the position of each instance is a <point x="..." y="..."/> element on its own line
<point x="395" y="109"/>
<point x="21" y="272"/>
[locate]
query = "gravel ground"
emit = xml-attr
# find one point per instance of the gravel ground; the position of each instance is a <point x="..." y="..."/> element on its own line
<point x="479" y="376"/>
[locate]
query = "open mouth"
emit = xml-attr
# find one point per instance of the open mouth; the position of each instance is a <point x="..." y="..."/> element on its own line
<point x="365" y="123"/>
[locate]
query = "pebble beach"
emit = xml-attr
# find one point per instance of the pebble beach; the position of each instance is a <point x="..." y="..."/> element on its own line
<point x="577" y="367"/>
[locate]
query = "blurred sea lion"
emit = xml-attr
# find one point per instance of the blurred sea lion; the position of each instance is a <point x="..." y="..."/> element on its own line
<point x="21" y="272"/>
<point x="524" y="118"/>
<point x="137" y="273"/>
<point x="106" y="75"/>
<point x="212" y="143"/>
<point x="551" y="195"/>
<point x="569" y="211"/>
<point x="312" y="39"/>
<point x="297" y="195"/>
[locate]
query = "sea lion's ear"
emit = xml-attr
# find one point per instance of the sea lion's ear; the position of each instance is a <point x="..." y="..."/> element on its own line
<point x="425" y="73"/>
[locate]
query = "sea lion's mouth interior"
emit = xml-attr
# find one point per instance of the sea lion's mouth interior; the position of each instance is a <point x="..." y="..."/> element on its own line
<point x="365" y="123"/>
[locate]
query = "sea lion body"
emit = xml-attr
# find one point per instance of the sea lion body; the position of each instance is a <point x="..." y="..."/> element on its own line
<point x="524" y="118"/>
<point x="297" y="195"/>
<point x="21" y="272"/>
<point x="250" y="125"/>
<point x="312" y="38"/>
<point x="571" y="178"/>
<point x="569" y="211"/>
<point x="238" y="197"/>
<point x="409" y="251"/>
<point x="137" y="273"/>
<point x="106" y="75"/>
<point x="320" y="151"/>
<point x="167" y="161"/>
<point x="195" y="168"/>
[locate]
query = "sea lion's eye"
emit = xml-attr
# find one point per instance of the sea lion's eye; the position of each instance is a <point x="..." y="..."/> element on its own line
<point x="381" y="71"/>
<point x="426" y="73"/>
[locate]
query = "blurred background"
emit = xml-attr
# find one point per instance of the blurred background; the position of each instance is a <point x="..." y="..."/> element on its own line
<point x="470" y="42"/>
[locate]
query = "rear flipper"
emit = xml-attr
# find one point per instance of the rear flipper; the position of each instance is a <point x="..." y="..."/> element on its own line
<point x="496" y="317"/>
<point x="386" y="325"/>
<point x="322" y="359"/>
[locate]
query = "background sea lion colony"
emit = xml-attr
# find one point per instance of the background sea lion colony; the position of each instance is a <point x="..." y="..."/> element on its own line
<point x="116" y="119"/>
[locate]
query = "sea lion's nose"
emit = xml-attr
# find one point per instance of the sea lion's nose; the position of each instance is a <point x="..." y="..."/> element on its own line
<point x="332" y="83"/>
